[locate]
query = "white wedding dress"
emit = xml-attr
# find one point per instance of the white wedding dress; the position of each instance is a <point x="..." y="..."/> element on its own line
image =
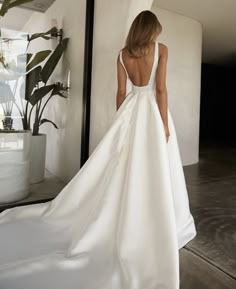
<point x="118" y="224"/>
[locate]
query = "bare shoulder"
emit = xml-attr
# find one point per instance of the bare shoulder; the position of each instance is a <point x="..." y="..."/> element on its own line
<point x="123" y="49"/>
<point x="118" y="56"/>
<point x="163" y="49"/>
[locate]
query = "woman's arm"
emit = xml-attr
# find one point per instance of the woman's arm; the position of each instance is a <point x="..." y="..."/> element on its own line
<point x="121" y="79"/>
<point x="161" y="89"/>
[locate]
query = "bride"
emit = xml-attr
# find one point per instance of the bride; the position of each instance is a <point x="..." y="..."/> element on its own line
<point x="120" y="222"/>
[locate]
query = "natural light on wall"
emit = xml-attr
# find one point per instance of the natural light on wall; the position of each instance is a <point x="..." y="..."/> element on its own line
<point x="14" y="141"/>
<point x="13" y="45"/>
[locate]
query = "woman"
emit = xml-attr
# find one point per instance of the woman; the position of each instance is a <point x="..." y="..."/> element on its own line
<point x="139" y="53"/>
<point x="121" y="220"/>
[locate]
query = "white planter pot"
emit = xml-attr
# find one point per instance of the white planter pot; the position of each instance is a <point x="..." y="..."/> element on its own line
<point x="14" y="165"/>
<point x="37" y="158"/>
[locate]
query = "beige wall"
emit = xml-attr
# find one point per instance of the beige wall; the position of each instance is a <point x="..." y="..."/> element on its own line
<point x="183" y="36"/>
<point x="63" y="145"/>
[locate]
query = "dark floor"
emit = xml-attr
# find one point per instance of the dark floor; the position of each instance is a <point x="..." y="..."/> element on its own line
<point x="209" y="260"/>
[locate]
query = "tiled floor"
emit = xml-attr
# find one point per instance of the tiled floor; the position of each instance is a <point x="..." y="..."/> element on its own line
<point x="209" y="260"/>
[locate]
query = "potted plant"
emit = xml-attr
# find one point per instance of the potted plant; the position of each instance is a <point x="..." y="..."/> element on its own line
<point x="37" y="94"/>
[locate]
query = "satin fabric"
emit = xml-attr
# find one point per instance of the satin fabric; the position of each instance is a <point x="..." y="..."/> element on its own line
<point x="119" y="223"/>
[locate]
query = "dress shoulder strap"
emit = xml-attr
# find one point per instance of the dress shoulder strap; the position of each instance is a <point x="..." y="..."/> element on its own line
<point x="121" y="61"/>
<point x="155" y="63"/>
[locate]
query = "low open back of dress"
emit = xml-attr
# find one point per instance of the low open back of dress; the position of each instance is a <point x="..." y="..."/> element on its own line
<point x="151" y="81"/>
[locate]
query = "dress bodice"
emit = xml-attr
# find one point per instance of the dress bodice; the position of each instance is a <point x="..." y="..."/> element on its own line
<point x="152" y="79"/>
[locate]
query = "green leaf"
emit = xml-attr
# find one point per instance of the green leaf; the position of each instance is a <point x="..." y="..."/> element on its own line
<point x="38" y="58"/>
<point x="18" y="2"/>
<point x="43" y="34"/>
<point x="53" y="60"/>
<point x="46" y="37"/>
<point x="29" y="55"/>
<point x="4" y="7"/>
<point x="47" y="120"/>
<point x="59" y="89"/>
<point x="61" y="94"/>
<point x="39" y="93"/>
<point x="8" y="4"/>
<point x="32" y="79"/>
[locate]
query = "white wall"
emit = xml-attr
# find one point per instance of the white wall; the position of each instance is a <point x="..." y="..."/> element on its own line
<point x="63" y="147"/>
<point x="182" y="35"/>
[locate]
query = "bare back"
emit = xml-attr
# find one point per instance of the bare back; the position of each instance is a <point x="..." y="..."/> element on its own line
<point x="146" y="72"/>
<point x="139" y="69"/>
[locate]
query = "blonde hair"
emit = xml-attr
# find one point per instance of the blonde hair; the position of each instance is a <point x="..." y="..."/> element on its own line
<point x="144" y="29"/>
